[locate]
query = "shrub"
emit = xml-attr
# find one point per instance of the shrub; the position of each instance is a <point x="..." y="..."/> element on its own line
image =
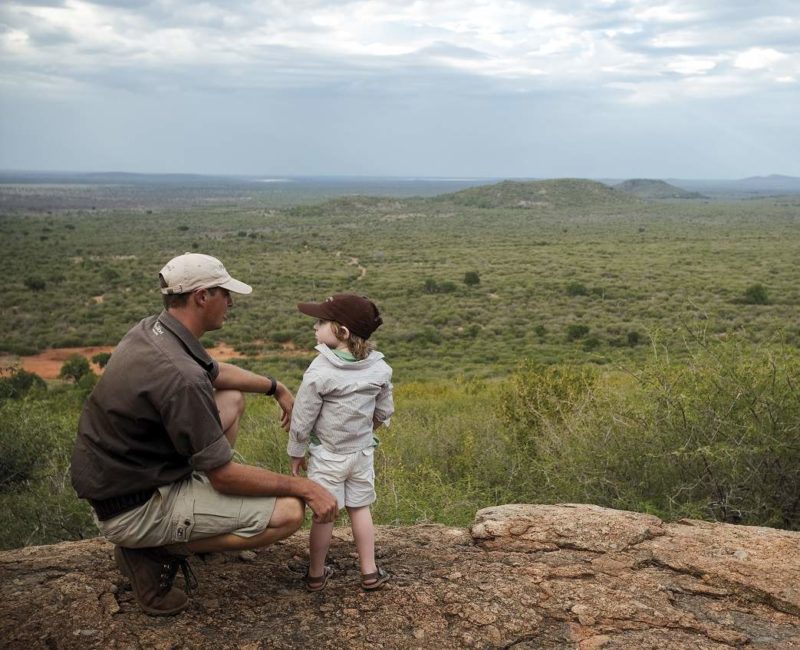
<point x="539" y="396"/>
<point x="756" y="294"/>
<point x="591" y="343"/>
<point x="431" y="286"/>
<point x="101" y="358"/>
<point x="36" y="498"/>
<point x="576" y="289"/>
<point x="25" y="441"/>
<point x="35" y="284"/>
<point x="633" y="338"/>
<point x="20" y="457"/>
<point x="87" y="383"/>
<point x="75" y="368"/>
<point x="426" y="335"/>
<point x="713" y="437"/>
<point x="471" y="278"/>
<point x="19" y="382"/>
<point x="540" y="331"/>
<point x="576" y="331"/>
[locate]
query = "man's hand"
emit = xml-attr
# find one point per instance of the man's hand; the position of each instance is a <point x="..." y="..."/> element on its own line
<point x="246" y="480"/>
<point x="232" y="377"/>
<point x="322" y="503"/>
<point x="285" y="400"/>
<point x="298" y="463"/>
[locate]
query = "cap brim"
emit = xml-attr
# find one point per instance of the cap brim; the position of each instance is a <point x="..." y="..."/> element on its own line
<point x="315" y="309"/>
<point x="237" y="287"/>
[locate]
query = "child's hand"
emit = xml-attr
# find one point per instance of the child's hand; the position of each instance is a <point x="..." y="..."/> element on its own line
<point x="298" y="463"/>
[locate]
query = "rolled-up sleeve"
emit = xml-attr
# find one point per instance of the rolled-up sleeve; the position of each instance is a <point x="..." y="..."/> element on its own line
<point x="307" y="405"/>
<point x="191" y="419"/>
<point x="384" y="403"/>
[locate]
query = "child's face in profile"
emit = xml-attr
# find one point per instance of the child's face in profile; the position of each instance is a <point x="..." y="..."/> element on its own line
<point x="324" y="333"/>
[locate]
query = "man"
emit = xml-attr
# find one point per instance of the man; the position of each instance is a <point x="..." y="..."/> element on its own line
<point x="154" y="453"/>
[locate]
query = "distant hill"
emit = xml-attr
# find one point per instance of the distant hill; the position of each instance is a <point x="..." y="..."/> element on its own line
<point x="772" y="183"/>
<point x="743" y="188"/>
<point x="647" y="188"/>
<point x="556" y="193"/>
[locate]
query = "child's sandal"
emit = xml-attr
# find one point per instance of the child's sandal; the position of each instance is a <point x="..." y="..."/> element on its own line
<point x="374" y="581"/>
<point x="318" y="583"/>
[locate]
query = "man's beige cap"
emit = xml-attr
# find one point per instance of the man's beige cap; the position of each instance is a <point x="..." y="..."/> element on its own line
<point x="192" y="271"/>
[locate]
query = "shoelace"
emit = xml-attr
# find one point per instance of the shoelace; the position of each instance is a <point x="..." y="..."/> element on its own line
<point x="169" y="568"/>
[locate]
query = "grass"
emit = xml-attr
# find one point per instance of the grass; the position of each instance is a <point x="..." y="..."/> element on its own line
<point x="573" y="283"/>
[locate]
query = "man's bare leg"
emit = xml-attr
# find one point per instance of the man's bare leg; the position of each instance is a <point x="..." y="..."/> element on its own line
<point x="230" y="404"/>
<point x="287" y="518"/>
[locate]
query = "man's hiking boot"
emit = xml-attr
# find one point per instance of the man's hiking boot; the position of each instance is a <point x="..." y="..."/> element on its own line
<point x="152" y="574"/>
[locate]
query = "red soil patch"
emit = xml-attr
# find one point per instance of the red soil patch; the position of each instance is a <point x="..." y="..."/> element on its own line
<point x="48" y="364"/>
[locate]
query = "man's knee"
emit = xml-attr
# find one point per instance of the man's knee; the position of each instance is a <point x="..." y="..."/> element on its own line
<point x="230" y="404"/>
<point x="289" y="513"/>
<point x="236" y="401"/>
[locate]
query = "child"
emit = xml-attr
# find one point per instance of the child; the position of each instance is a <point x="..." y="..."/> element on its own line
<point x="346" y="394"/>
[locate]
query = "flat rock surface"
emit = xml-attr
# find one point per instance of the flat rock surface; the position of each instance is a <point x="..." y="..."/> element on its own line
<point x="523" y="576"/>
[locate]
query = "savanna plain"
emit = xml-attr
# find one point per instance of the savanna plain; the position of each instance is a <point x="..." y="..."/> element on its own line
<point x="552" y="341"/>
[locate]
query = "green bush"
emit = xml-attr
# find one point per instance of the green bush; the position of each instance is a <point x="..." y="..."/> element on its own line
<point x="576" y="331"/>
<point x="26" y="439"/>
<point x="35" y="284"/>
<point x="539" y="396"/>
<point x="75" y="368"/>
<point x="717" y="437"/>
<point x="591" y="343"/>
<point x="101" y="358"/>
<point x="471" y="278"/>
<point x="431" y="286"/>
<point x="19" y="383"/>
<point x="576" y="289"/>
<point x="756" y="294"/>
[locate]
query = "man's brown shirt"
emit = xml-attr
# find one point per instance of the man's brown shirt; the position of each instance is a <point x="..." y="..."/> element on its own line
<point x="152" y="419"/>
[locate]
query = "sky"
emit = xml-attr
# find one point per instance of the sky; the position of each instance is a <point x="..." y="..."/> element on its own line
<point x="445" y="88"/>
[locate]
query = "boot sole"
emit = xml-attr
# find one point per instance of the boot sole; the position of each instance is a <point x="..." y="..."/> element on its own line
<point x="127" y="570"/>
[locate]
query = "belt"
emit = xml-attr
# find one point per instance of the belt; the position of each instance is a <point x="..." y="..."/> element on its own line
<point x="110" y="508"/>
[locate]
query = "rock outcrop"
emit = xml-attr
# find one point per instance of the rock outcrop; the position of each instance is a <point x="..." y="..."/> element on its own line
<point x="566" y="576"/>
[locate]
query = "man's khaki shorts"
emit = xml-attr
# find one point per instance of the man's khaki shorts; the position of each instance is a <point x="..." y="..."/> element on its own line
<point x="348" y="477"/>
<point x="187" y="510"/>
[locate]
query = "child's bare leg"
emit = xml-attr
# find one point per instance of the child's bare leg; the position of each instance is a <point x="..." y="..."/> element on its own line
<point x="364" y="535"/>
<point x="320" y="540"/>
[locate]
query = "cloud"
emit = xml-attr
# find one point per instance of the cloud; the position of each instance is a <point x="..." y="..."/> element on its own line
<point x="757" y="58"/>
<point x="276" y="43"/>
<point x="390" y="64"/>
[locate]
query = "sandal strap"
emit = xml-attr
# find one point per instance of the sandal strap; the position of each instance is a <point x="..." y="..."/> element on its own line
<point x="373" y="576"/>
<point x="327" y="572"/>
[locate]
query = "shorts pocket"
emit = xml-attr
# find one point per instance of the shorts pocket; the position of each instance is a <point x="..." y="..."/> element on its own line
<point x="318" y="451"/>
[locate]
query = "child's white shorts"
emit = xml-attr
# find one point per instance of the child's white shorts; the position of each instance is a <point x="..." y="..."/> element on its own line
<point x="349" y="477"/>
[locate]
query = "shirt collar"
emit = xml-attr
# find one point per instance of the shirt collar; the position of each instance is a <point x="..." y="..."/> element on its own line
<point x="188" y="339"/>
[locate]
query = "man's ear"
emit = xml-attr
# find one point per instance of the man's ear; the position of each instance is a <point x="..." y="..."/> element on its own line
<point x="200" y="296"/>
<point x="344" y="333"/>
